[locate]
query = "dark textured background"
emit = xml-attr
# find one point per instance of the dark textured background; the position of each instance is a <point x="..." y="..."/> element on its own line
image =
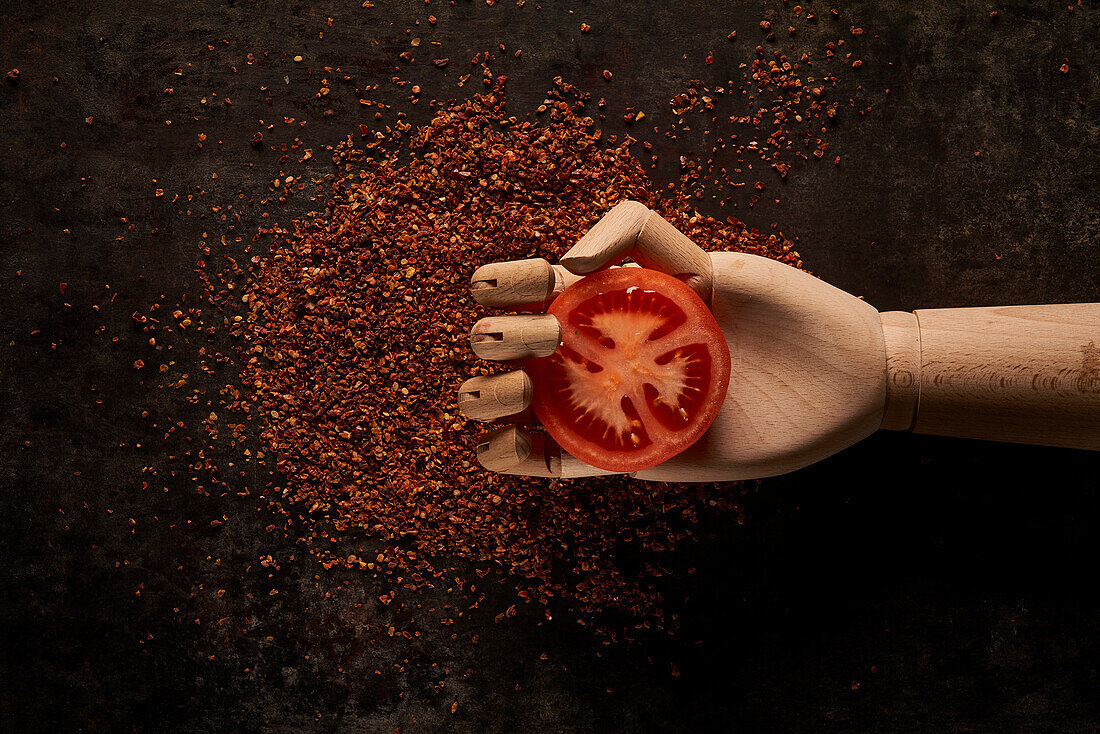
<point x="910" y="583"/>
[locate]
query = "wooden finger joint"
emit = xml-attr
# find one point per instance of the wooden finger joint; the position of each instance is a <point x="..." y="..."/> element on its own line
<point x="663" y="247"/>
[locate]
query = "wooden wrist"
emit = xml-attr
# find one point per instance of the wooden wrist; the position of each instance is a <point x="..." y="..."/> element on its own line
<point x="1026" y="374"/>
<point x="901" y="335"/>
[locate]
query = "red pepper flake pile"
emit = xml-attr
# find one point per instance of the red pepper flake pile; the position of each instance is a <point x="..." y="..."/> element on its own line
<point x="355" y="341"/>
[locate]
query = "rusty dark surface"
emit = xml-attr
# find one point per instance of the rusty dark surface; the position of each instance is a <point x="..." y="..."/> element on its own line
<point x="909" y="584"/>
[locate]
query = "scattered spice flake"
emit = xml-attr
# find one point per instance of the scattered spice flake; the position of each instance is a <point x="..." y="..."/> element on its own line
<point x="780" y="114"/>
<point x="361" y="314"/>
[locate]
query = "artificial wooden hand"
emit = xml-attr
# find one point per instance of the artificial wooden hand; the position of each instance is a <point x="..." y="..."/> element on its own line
<point x="815" y="369"/>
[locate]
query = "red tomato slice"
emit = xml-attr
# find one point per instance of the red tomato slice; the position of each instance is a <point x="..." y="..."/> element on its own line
<point x="641" y="373"/>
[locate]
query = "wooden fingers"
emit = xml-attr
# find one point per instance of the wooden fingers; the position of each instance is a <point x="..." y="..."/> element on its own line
<point x="563" y="278"/>
<point x="512" y="450"/>
<point x="610" y="239"/>
<point x="512" y="283"/>
<point x="661" y="246"/>
<point x="515" y="337"/>
<point x="519" y="282"/>
<point x="630" y="228"/>
<point x="489" y="397"/>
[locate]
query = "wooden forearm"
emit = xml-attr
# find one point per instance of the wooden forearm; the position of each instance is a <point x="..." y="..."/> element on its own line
<point x="1026" y="374"/>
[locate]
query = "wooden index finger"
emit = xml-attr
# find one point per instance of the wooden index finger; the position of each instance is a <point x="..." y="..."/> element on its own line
<point x="519" y="283"/>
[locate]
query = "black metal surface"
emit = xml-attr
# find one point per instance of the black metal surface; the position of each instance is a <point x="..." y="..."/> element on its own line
<point x="910" y="583"/>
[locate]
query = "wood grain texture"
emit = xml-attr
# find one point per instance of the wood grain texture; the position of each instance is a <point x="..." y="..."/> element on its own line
<point x="1028" y="374"/>
<point x="661" y="246"/>
<point x="563" y="278"/>
<point x="512" y="283"/>
<point x="816" y="369"/>
<point x="809" y="373"/>
<point x="512" y="450"/>
<point x="488" y="397"/>
<point x="610" y="239"/>
<point x="515" y="336"/>
<point x="902" y="339"/>
<point x="504" y="448"/>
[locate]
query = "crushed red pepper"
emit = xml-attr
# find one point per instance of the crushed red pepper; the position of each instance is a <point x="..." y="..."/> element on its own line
<point x="351" y="332"/>
<point x="355" y="341"/>
<point x="778" y="114"/>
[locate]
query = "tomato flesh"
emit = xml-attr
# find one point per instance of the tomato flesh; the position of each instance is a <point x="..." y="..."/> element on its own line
<point x="640" y="375"/>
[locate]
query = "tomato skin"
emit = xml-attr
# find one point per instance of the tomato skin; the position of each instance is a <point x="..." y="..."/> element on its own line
<point x="641" y="373"/>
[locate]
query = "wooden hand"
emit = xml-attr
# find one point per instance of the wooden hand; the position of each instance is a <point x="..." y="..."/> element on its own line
<point x="815" y="369"/>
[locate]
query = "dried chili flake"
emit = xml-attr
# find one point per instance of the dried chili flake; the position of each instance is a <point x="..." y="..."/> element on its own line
<point x="361" y="314"/>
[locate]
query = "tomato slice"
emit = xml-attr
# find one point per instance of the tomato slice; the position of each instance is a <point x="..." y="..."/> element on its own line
<point x="641" y="372"/>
